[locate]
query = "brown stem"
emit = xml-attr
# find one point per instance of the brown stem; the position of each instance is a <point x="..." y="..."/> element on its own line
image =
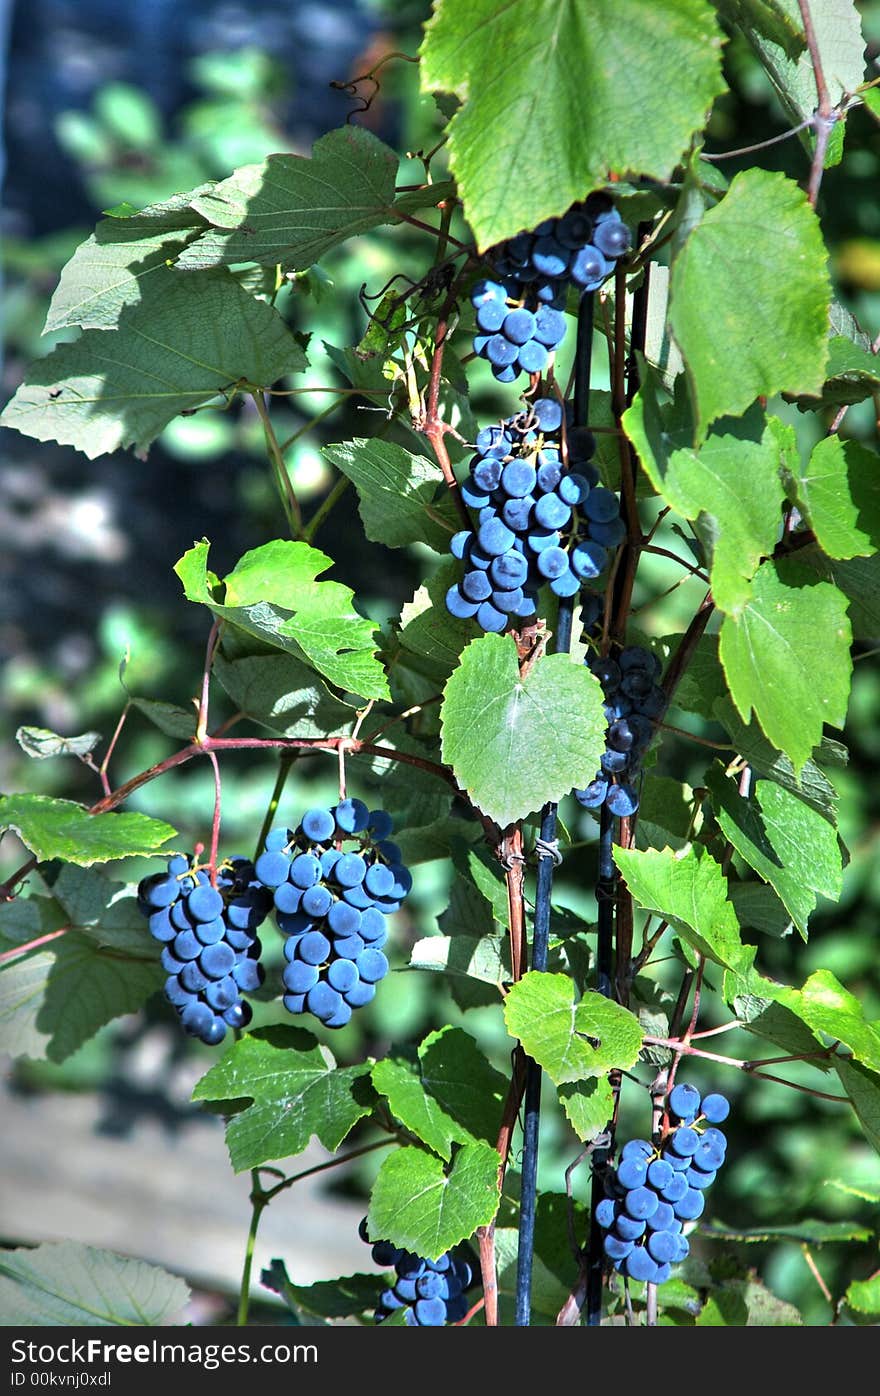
<point x="433" y="426"/>
<point x="825" y="115"/>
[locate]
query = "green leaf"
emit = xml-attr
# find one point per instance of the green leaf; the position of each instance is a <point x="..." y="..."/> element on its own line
<point x="746" y="1304"/>
<point x="40" y="743"/>
<point x="186" y="341"/>
<point x="431" y="638"/>
<point x="665" y="813"/>
<point x="396" y="491"/>
<point x="64" y="1284"/>
<point x="788" y="843"/>
<point x="837" y="26"/>
<point x="168" y="717"/>
<point x="827" y="1007"/>
<point x="571" y="96"/>
<point x="57" y="996"/>
<point x="690" y="891"/>
<point x="813" y="787"/>
<point x="732" y="485"/>
<point x="294" y="1089"/>
<point x="419" y="1205"/>
<point x="450" y="1095"/>
<point x="53" y="828"/>
<point x="589" y="1106"/>
<point x="758" y="908"/>
<point x="702" y="682"/>
<point x="852" y="374"/>
<point x="863" y="1089"/>
<point x="481" y="868"/>
<point x="282" y="694"/>
<point x="571" y="1041"/>
<point x="516" y="743"/>
<point x="810" y="1231"/>
<point x="781" y="345"/>
<point x="485" y="958"/>
<point x="859" y="581"/>
<point x="293" y="209"/>
<point x="346" y="1297"/>
<point x="839" y="492"/>
<point x="787" y="657"/>
<point x="273" y="593"/>
<point x="106" y="272"/>
<point x="769" y="19"/>
<point x="864" y="1295"/>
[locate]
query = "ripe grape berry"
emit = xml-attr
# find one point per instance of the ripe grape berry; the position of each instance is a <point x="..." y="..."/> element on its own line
<point x="432" y="1292"/>
<point x="540" y="518"/>
<point x="519" y="310"/>
<point x="210" y="948"/>
<point x="331" y="904"/>
<point x="634" y="701"/>
<point x="654" y="1192"/>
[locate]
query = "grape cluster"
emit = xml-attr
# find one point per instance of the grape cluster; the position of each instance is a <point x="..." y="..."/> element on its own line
<point x="331" y="905"/>
<point x="431" y="1291"/>
<point x="520" y="320"/>
<point x="538" y="519"/>
<point x="210" y="949"/>
<point x="633" y="703"/>
<point x="653" y="1192"/>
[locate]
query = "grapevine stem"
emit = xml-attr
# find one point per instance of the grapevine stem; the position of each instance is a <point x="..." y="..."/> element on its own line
<point x="32" y="945"/>
<point x="202" y="723"/>
<point x="215" y="822"/>
<point x="284" y="765"/>
<point x="258" y="1204"/>
<point x="825" y="116"/>
<point x="326" y="506"/>
<point x="102" y="769"/>
<point x="283" y="480"/>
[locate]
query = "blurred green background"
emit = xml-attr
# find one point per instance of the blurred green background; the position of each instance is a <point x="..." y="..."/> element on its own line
<point x="98" y="114"/>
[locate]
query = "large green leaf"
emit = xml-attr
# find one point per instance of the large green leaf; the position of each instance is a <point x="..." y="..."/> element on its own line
<point x="837" y="26"/>
<point x="572" y="1041"/>
<point x="787" y="657"/>
<point x="293" y="209"/>
<point x="57" y="996"/>
<point x="184" y="342"/>
<point x="748" y="741"/>
<point x="768" y="18"/>
<point x="787" y="842"/>
<point x="423" y="1207"/>
<point x="106" y="272"/>
<point x="292" y="1088"/>
<point x="396" y="492"/>
<point x="689" y="890"/>
<point x="485" y="958"/>
<point x="839" y="492"/>
<point x="732" y="485"/>
<point x="62" y="1284"/>
<point x="858" y="579"/>
<point x="779" y="344"/>
<point x="53" y="828"/>
<point x="273" y="593"/>
<point x="589" y="1106"/>
<point x="282" y="694"/>
<point x="863" y="1088"/>
<point x="515" y="743"/>
<point x="556" y="76"/>
<point x="431" y="639"/>
<point x="450" y="1094"/>
<point x="826" y="1006"/>
<point x="852" y="374"/>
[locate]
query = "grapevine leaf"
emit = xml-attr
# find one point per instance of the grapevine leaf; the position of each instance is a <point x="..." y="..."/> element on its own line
<point x="419" y="1205"/>
<point x="787" y="656"/>
<point x="293" y="209"/>
<point x="863" y="1089"/>
<point x="746" y="1303"/>
<point x="571" y="1041"/>
<point x="65" y="1284"/>
<point x="781" y="345"/>
<point x="837" y="27"/>
<point x="450" y="1095"/>
<point x="859" y="581"/>
<point x="787" y="842"/>
<point x="768" y="18"/>
<point x="431" y="639"/>
<point x="813" y="787"/>
<point x="174" y="721"/>
<point x="665" y="813"/>
<point x="53" y="828"/>
<point x="702" y="682"/>
<point x="864" y="1295"/>
<point x="689" y="890"/>
<point x="515" y="743"/>
<point x="282" y="694"/>
<point x="273" y="593"/>
<point x="484" y="958"/>
<point x="41" y="743"/>
<point x="732" y="485"/>
<point x="571" y="97"/>
<point x="106" y="272"/>
<point x="293" y="1089"/>
<point x="839" y="492"/>
<point x="186" y="341"/>
<point x="57" y="996"/>
<point x="346" y="1297"/>
<point x="589" y="1106"/>
<point x="758" y="908"/>
<point x="827" y="1007"/>
<point x="396" y="492"/>
<point x="852" y="374"/>
<point x="810" y="1231"/>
